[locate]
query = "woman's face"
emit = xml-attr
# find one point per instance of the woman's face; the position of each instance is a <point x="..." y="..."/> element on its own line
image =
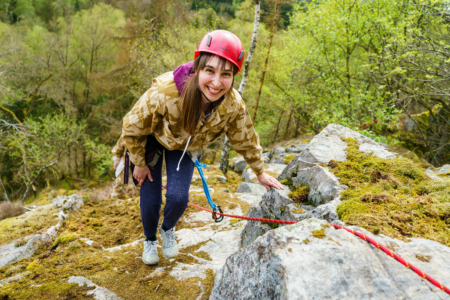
<point x="213" y="81"/>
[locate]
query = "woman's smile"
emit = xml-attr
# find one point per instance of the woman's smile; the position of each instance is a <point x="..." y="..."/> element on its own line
<point x="213" y="90"/>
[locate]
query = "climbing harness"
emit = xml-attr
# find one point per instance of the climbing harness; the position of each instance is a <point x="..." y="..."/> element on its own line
<point x="358" y="234"/>
<point x="214" y="207"/>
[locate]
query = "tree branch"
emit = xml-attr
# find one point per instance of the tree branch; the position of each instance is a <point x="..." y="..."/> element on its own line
<point x="34" y="179"/>
<point x="13" y="115"/>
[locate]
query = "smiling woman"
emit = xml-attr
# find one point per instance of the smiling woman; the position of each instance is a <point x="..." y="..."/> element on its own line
<point x="187" y="109"/>
<point x="210" y="84"/>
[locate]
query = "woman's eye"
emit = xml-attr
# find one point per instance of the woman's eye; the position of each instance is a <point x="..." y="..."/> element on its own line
<point x="226" y="74"/>
<point x="209" y="71"/>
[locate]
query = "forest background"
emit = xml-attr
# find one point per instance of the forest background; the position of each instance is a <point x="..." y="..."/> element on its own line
<point x="71" y="69"/>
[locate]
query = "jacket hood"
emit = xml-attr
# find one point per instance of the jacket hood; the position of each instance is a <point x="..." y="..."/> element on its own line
<point x="182" y="74"/>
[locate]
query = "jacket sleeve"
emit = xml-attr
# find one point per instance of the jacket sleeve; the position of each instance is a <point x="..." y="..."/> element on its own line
<point x="118" y="150"/>
<point x="245" y="140"/>
<point x="141" y="121"/>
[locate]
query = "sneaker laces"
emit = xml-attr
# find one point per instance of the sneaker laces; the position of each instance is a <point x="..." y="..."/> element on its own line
<point x="169" y="238"/>
<point x="148" y="246"/>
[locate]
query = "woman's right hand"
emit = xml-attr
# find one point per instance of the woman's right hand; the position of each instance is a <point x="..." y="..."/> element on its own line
<point x="140" y="173"/>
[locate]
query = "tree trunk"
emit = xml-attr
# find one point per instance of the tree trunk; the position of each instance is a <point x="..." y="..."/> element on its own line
<point x="76" y="161"/>
<point x="277" y="7"/>
<point x="89" y="166"/>
<point x="251" y="50"/>
<point x="278" y="126"/>
<point x="288" y="123"/>
<point x="296" y="126"/>
<point x="226" y="144"/>
<point x="69" y="164"/>
<point x="4" y="193"/>
<point x="84" y="161"/>
<point x="224" y="160"/>
<point x="33" y="97"/>
<point x="215" y="151"/>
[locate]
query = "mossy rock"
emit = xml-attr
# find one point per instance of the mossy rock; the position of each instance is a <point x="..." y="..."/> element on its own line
<point x="320" y="233"/>
<point x="287" y="182"/>
<point x="300" y="193"/>
<point x="392" y="196"/>
<point x="289" y="158"/>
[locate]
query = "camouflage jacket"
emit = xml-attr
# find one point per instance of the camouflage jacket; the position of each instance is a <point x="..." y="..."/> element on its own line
<point x="119" y="150"/>
<point x="158" y="111"/>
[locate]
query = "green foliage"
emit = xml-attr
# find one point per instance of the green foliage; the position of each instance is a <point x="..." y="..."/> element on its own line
<point x="41" y="142"/>
<point x="12" y="11"/>
<point x="101" y="156"/>
<point x="332" y="43"/>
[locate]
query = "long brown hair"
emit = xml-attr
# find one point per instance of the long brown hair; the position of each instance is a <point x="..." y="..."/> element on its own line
<point x="191" y="97"/>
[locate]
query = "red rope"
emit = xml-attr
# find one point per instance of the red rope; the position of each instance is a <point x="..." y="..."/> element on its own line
<point x="358" y="234"/>
<point x="245" y="218"/>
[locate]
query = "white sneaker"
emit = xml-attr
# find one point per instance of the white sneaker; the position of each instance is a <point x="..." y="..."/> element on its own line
<point x="169" y="247"/>
<point x="150" y="253"/>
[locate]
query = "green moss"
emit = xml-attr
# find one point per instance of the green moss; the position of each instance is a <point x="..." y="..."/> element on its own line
<point x="299" y="194"/>
<point x="287" y="182"/>
<point x="320" y="233"/>
<point x="55" y="289"/>
<point x="74" y="245"/>
<point x="299" y="210"/>
<point x="234" y="221"/>
<point x="289" y="158"/>
<point x="306" y="241"/>
<point x="64" y="238"/>
<point x="394" y="196"/>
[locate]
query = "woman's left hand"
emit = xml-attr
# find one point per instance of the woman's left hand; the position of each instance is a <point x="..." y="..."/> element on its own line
<point x="268" y="181"/>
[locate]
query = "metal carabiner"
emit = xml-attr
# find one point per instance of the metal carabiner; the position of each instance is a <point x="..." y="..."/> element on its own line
<point x="217" y="218"/>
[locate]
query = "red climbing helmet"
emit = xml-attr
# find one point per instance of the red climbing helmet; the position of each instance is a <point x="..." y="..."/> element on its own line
<point x="224" y="44"/>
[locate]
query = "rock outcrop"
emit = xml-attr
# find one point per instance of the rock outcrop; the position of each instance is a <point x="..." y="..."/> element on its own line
<point x="252" y="188"/>
<point x="310" y="260"/>
<point x="27" y="246"/>
<point x="307" y="169"/>
<point x="445" y="169"/>
<point x="99" y="293"/>
<point x="271" y="169"/>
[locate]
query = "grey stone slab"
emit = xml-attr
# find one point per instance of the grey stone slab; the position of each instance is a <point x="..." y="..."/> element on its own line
<point x="290" y="263"/>
<point x="252" y="188"/>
